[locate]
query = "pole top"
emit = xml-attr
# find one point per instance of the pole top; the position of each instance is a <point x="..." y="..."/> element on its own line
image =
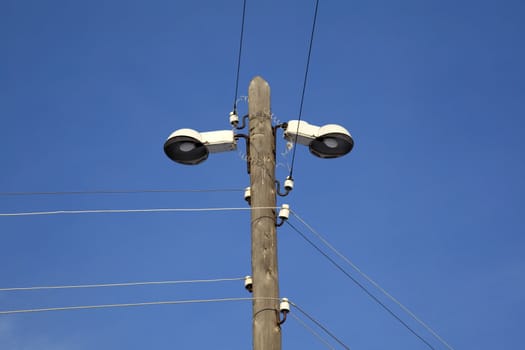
<point x="259" y="94"/>
<point x="259" y="82"/>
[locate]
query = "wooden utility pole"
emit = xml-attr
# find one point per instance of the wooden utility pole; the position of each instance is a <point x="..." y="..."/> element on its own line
<point x="266" y="329"/>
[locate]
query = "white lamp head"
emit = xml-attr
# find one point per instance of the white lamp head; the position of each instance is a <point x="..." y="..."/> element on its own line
<point x="187" y="146"/>
<point x="329" y="141"/>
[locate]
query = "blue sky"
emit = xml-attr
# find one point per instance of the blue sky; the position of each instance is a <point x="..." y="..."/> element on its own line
<point x="429" y="203"/>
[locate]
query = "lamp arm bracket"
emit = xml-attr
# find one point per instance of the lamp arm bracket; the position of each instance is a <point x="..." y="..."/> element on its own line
<point x="243" y="125"/>
<point x="247" y="139"/>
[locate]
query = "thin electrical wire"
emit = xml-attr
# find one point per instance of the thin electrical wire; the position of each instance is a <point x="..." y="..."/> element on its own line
<point x="360" y="285"/>
<point x="119" y="192"/>
<point x="320" y="325"/>
<point x="314" y="21"/>
<point x="107" y="306"/>
<point x="113" y="211"/>
<point x="122" y="284"/>
<point x="374" y="283"/>
<point x="314" y="333"/>
<point x="239" y="58"/>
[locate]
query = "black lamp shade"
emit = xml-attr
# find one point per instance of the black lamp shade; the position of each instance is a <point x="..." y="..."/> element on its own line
<point x="186" y="150"/>
<point x="331" y="145"/>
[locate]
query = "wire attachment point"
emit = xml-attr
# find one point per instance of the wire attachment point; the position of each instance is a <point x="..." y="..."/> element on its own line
<point x="288" y="186"/>
<point x="284" y="307"/>
<point x="234" y="119"/>
<point x="248" y="195"/>
<point x="284" y="213"/>
<point x="248" y="283"/>
<point x="288" y="183"/>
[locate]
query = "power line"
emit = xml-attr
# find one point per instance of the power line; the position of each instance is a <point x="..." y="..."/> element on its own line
<point x="360" y="286"/>
<point x="239" y="58"/>
<point x="314" y="21"/>
<point x="119" y="192"/>
<point x="108" y="306"/>
<point x="124" y="284"/>
<point x="320" y="325"/>
<point x="374" y="283"/>
<point x="314" y="333"/>
<point x="169" y="302"/>
<point x="114" y="211"/>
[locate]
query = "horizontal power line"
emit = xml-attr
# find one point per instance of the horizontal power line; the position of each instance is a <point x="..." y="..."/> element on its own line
<point x="123" y="284"/>
<point x="371" y="281"/>
<point x="121" y="211"/>
<point x="50" y="193"/>
<point x="109" y="306"/>
<point x="177" y="302"/>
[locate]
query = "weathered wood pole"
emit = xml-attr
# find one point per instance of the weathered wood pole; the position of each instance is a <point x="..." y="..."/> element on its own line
<point x="266" y="329"/>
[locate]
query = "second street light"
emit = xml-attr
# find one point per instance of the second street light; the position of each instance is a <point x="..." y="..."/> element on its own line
<point x="190" y="147"/>
<point x="328" y="141"/>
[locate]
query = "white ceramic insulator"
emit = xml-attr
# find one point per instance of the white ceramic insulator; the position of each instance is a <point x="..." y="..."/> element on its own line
<point x="234" y="119"/>
<point x="284" y="213"/>
<point x="288" y="184"/>
<point x="247" y="194"/>
<point x="248" y="281"/>
<point x="285" y="305"/>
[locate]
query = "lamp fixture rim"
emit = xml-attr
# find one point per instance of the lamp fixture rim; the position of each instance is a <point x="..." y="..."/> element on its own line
<point x="321" y="149"/>
<point x="194" y="156"/>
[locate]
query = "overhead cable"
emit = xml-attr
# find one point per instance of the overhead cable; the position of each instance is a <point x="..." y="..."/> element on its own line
<point x="168" y="302"/>
<point x="123" y="284"/>
<point x="313" y="332"/>
<point x="374" y="283"/>
<point x="239" y="58"/>
<point x="49" y="193"/>
<point x="114" y="211"/>
<point x="320" y="325"/>
<point x="108" y="306"/>
<point x="314" y="21"/>
<point x="360" y="285"/>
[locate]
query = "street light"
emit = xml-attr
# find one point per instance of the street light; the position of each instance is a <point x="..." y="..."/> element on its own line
<point x="328" y="141"/>
<point x="187" y="146"/>
<point x="190" y="147"/>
